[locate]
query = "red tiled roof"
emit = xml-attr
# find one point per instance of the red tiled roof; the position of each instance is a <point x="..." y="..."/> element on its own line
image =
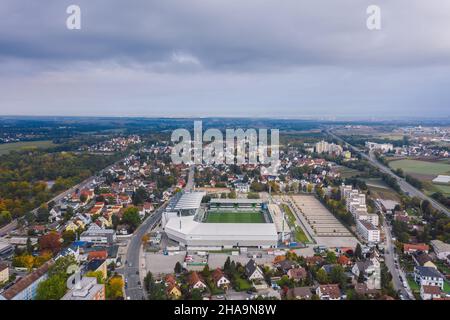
<point x="194" y="278"/>
<point x="217" y="274"/>
<point x="415" y="247"/>
<point x="331" y="290"/>
<point x="101" y="254"/>
<point x="431" y="289"/>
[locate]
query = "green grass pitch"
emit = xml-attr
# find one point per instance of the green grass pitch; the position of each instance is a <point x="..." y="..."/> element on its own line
<point x="234" y="217"/>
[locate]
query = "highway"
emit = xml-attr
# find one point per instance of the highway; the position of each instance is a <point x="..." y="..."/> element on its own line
<point x="135" y="255"/>
<point x="404" y="186"/>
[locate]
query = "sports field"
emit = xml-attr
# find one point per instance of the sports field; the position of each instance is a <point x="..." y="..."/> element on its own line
<point x="234" y="217"/>
<point x="421" y="167"/>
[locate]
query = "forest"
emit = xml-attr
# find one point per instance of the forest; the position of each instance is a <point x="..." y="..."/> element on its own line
<point x="31" y="178"/>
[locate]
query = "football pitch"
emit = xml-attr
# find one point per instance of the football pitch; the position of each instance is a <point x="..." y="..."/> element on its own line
<point x="235" y="217"/>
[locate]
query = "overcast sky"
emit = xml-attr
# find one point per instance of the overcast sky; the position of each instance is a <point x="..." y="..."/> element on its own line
<point x="289" y="58"/>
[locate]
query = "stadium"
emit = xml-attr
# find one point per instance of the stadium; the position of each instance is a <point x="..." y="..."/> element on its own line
<point x="219" y="224"/>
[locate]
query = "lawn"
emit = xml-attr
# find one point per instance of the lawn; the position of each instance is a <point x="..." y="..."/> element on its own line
<point x="447" y="287"/>
<point x="235" y="217"/>
<point x="300" y="235"/>
<point x="421" y="167"/>
<point x="16" y="146"/>
<point x="348" y="172"/>
<point x="413" y="285"/>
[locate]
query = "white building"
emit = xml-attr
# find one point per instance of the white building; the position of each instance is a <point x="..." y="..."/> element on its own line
<point x="330" y="148"/>
<point x="183" y="223"/>
<point x="441" y="249"/>
<point x="428" y="276"/>
<point x="98" y="235"/>
<point x="368" y="231"/>
<point x="383" y="147"/>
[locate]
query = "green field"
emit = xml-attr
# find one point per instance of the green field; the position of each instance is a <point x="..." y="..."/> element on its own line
<point x="348" y="172"/>
<point x="16" y="146"/>
<point x="300" y="235"/>
<point x="235" y="217"/>
<point x="421" y="167"/>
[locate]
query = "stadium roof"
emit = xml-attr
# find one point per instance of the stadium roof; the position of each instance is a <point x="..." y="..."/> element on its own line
<point x="197" y="230"/>
<point x="186" y="201"/>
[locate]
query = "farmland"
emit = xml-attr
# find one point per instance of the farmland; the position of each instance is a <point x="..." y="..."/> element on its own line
<point x="17" y="146"/>
<point x="421" y="168"/>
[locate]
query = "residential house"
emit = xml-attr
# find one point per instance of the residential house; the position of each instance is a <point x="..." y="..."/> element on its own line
<point x="314" y="260"/>
<point x="26" y="287"/>
<point x="98" y="254"/>
<point x="220" y="280"/>
<point x="329" y="292"/>
<point x="344" y="261"/>
<point x="430" y="292"/>
<point x="252" y="271"/>
<point x="441" y="249"/>
<point x="371" y="270"/>
<point x="98" y="265"/>
<point x="170" y="280"/>
<point x="411" y="248"/>
<point x="173" y="291"/>
<point x="299" y="293"/>
<point x="428" y="276"/>
<point x="195" y="281"/>
<point x="98" y="235"/>
<point x="423" y="259"/>
<point x="73" y="250"/>
<point x="55" y="214"/>
<point x="297" y="274"/>
<point x="285" y="265"/>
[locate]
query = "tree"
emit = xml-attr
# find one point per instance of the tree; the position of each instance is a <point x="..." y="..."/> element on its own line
<point x="358" y="252"/>
<point x="30" y="247"/>
<point x="140" y="196"/>
<point x="5" y="217"/>
<point x="227" y="264"/>
<point x="337" y="275"/>
<point x="68" y="214"/>
<point x="331" y="257"/>
<point x="68" y="237"/>
<point x="51" y="242"/>
<point x="178" y="268"/>
<point x="196" y="294"/>
<point x="426" y="207"/>
<point x="131" y="217"/>
<point x="145" y="239"/>
<point x="53" y="288"/>
<point x="114" y="288"/>
<point x="322" y="276"/>
<point x="95" y="274"/>
<point x="83" y="198"/>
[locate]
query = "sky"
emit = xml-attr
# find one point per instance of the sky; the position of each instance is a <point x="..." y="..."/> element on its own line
<point x="257" y="58"/>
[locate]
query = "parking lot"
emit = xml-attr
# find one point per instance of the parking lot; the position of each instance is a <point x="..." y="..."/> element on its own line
<point x="327" y="230"/>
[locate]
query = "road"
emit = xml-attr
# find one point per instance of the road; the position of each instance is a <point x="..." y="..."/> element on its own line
<point x="404" y="186"/>
<point x="134" y="255"/>
<point x="132" y="266"/>
<point x="389" y="259"/>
